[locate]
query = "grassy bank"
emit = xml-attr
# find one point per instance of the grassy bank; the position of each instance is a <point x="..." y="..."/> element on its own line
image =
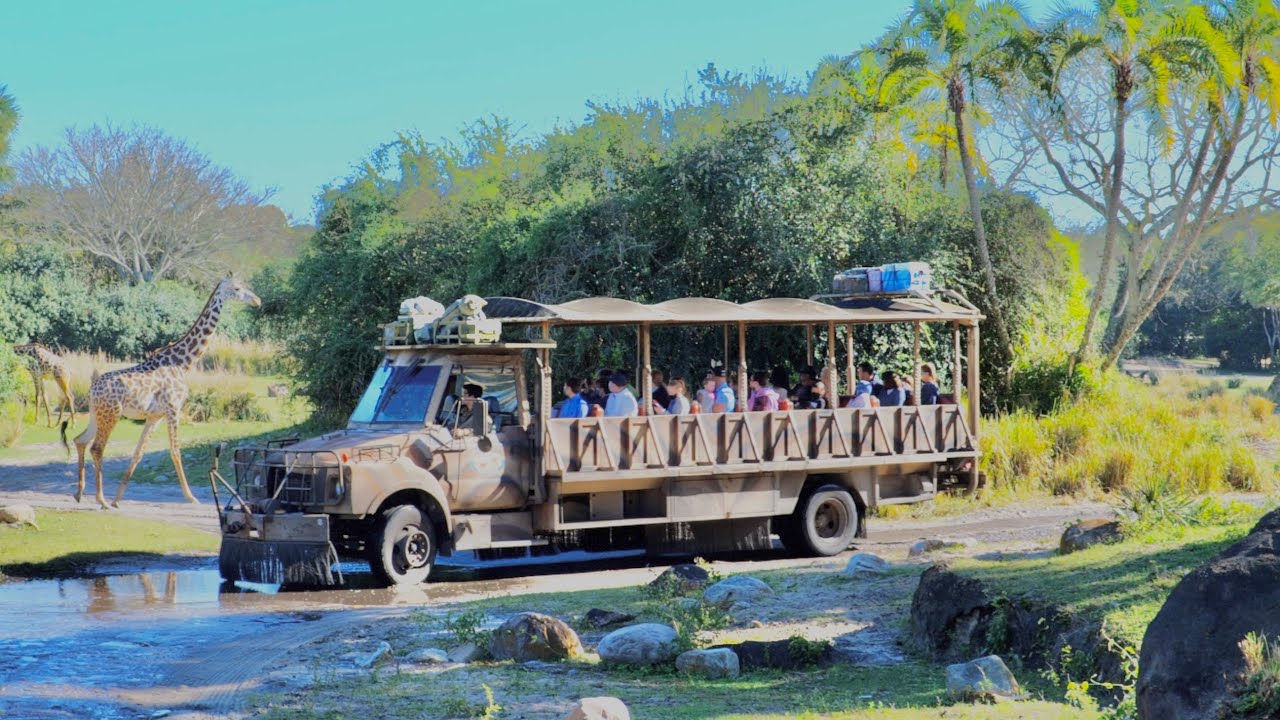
<point x="68" y="542"/>
<point x="1188" y="433"/>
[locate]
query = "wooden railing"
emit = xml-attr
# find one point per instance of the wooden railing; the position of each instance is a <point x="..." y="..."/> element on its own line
<point x="830" y="438"/>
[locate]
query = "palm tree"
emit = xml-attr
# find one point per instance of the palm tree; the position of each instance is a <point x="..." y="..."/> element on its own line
<point x="1230" y="52"/>
<point x="1139" y="42"/>
<point x="941" y="49"/>
<point x="8" y="121"/>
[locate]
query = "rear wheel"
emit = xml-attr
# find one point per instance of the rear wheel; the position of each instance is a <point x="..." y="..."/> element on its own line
<point x="402" y="547"/>
<point x="825" y="522"/>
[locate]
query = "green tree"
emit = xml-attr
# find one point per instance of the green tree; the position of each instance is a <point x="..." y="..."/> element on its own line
<point x="9" y="117"/>
<point x="945" y="48"/>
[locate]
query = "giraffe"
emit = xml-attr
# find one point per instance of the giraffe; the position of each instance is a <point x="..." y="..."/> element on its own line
<point x="42" y="363"/>
<point x="151" y="391"/>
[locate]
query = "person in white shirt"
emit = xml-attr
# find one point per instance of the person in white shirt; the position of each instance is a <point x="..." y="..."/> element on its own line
<point x="621" y="402"/>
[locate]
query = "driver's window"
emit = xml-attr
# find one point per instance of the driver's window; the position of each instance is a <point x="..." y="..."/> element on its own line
<point x="499" y="393"/>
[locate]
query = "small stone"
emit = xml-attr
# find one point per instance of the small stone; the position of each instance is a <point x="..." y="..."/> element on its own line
<point x="1088" y="533"/>
<point x="599" y="708"/>
<point x="534" y="636"/>
<point x="465" y="653"/>
<point x="161" y="713"/>
<point x="864" y="563"/>
<point x="756" y="624"/>
<point x="598" y="618"/>
<point x="737" y="589"/>
<point x="986" y="678"/>
<point x="643" y="644"/>
<point x="945" y="543"/>
<point x="683" y="578"/>
<point x="712" y="664"/>
<point x="18" y="514"/>
<point x="377" y="657"/>
<point x="428" y="656"/>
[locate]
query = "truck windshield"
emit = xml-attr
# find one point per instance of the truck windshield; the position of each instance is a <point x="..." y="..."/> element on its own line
<point x="398" y="394"/>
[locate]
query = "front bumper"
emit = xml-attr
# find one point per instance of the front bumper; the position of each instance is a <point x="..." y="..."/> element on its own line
<point x="284" y="549"/>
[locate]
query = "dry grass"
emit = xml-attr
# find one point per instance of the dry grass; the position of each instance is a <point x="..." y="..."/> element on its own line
<point x="1201" y="437"/>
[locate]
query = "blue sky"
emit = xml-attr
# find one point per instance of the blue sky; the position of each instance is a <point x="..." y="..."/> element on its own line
<point x="291" y="94"/>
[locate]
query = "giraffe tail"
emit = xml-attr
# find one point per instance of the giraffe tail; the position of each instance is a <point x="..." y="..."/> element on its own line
<point x="63" y="433"/>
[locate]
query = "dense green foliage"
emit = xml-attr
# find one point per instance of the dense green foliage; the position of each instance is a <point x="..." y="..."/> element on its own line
<point x="46" y="295"/>
<point x="714" y="198"/>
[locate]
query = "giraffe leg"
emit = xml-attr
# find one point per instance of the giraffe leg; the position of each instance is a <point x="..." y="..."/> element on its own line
<point x="147" y="429"/>
<point x="105" y="426"/>
<point x="82" y="442"/>
<point x="44" y="398"/>
<point x="67" y="398"/>
<point x="176" y="453"/>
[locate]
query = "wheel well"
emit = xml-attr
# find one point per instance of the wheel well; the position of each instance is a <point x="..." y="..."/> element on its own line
<point x="813" y="482"/>
<point x="427" y="504"/>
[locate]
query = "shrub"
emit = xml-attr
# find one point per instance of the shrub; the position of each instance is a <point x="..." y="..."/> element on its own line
<point x="214" y="404"/>
<point x="1259" y="407"/>
<point x="11" y="423"/>
<point x="1119" y="468"/>
<point x="1234" y="383"/>
<point x="1260" y="696"/>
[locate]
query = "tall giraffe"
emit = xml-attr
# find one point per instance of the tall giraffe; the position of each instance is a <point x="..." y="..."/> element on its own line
<point x="151" y="391"/>
<point x="42" y="363"/>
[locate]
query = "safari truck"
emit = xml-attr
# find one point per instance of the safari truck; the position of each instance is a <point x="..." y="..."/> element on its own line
<point x="423" y="470"/>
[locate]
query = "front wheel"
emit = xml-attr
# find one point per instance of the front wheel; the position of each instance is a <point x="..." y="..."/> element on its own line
<point x="402" y="548"/>
<point x="825" y="522"/>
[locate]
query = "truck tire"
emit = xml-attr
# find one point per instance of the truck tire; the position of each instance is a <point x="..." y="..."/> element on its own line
<point x="824" y="523"/>
<point x="402" y="546"/>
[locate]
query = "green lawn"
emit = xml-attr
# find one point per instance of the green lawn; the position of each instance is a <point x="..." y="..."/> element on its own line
<point x="69" y="541"/>
<point x="1123" y="584"/>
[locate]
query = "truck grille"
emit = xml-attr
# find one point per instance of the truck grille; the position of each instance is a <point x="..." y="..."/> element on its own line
<point x="300" y="488"/>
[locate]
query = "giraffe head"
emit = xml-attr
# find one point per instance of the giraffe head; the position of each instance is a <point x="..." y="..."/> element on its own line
<point x="232" y="288"/>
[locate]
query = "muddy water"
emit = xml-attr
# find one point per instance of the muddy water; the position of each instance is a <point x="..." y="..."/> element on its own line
<point x="134" y="644"/>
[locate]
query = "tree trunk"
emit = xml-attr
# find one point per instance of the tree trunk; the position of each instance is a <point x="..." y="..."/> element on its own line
<point x="980" y="232"/>
<point x="1109" y="238"/>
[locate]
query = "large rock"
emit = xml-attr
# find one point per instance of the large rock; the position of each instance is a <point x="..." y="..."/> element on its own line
<point x="1088" y="533"/>
<point x="929" y="545"/>
<point x="534" y="636"/>
<point x="737" y="589"/>
<point x="600" y="619"/>
<point x="789" y="654"/>
<point x="986" y="678"/>
<point x="643" y="644"/>
<point x="599" y="708"/>
<point x="428" y="656"/>
<point x="713" y="663"/>
<point x="465" y="653"/>
<point x="19" y="514"/>
<point x="682" y="579"/>
<point x="864" y="563"/>
<point x="946" y="610"/>
<point x="1191" y="660"/>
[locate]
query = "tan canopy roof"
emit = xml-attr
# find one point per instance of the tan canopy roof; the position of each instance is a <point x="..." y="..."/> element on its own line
<point x="710" y="311"/>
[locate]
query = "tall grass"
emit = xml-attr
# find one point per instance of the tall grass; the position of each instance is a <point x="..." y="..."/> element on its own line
<point x="1184" y="434"/>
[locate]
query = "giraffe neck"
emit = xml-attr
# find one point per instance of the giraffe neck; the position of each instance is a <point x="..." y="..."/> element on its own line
<point x="185" y="351"/>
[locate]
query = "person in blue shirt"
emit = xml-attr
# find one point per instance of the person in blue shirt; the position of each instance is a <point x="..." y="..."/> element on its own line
<point x="724" y="401"/>
<point x="621" y="402"/>
<point x="928" y="386"/>
<point x="576" y="405"/>
<point x="893" y="395"/>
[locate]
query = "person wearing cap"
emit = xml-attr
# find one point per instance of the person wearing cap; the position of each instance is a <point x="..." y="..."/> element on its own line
<point x="621" y="402"/>
<point x="723" y="400"/>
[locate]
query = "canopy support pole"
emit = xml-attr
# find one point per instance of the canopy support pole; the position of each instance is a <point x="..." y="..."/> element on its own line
<point x="742" y="368"/>
<point x="724" y="359"/>
<point x="915" y="358"/>
<point x="646" y="372"/>
<point x="808" y="344"/>
<point x="830" y="375"/>
<point x="851" y="378"/>
<point x="975" y="402"/>
<point x="544" y="378"/>
<point x="955" y="360"/>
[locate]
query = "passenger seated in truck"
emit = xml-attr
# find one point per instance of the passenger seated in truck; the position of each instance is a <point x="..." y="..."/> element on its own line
<point x="893" y="395"/>
<point x="818" y="398"/>
<point x="621" y="402"/>
<point x="598" y="394"/>
<point x="661" y="396"/>
<point x="575" y="406"/>
<point x="928" y="386"/>
<point x="470" y="418"/>
<point x="803" y="392"/>
<point x="764" y="398"/>
<point x="781" y="381"/>
<point x="679" y="402"/>
<point x="723" y="399"/>
<point x="867" y="374"/>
